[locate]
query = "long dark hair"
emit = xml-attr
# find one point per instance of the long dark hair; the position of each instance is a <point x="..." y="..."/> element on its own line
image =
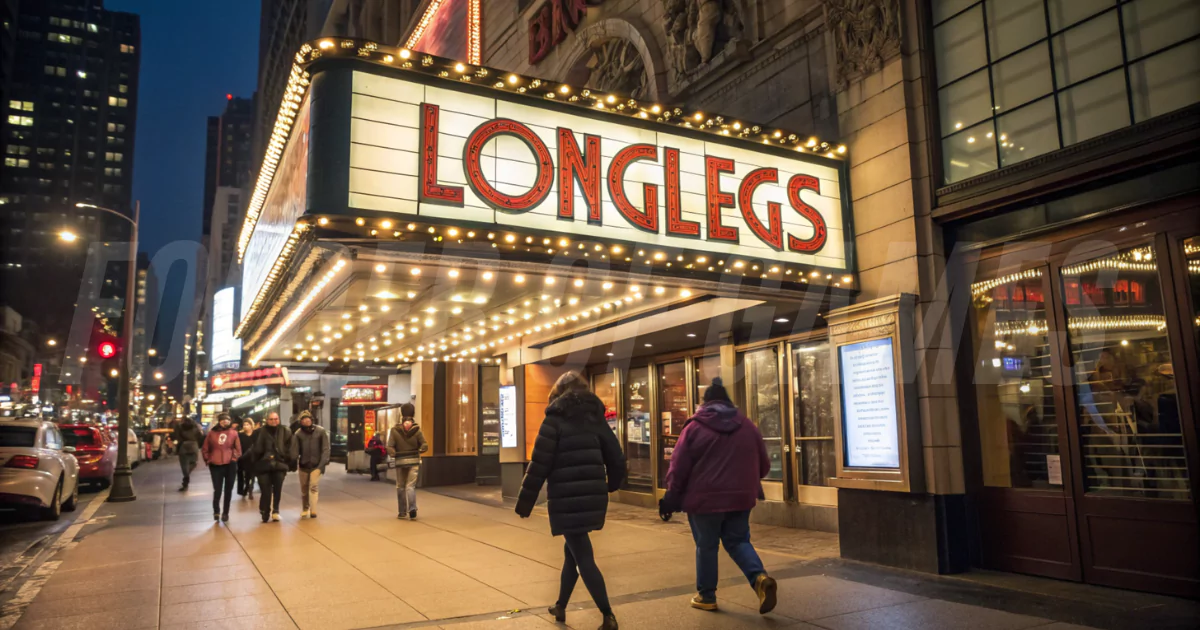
<point x="568" y="382"/>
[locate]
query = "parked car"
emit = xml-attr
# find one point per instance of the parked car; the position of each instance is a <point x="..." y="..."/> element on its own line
<point x="95" y="450"/>
<point x="135" y="450"/>
<point x="37" y="469"/>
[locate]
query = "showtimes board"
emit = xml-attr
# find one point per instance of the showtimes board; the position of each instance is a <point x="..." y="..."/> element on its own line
<point x="870" y="418"/>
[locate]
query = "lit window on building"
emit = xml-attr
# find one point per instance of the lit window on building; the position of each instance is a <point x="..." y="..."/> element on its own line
<point x="20" y="121"/>
<point x="25" y="106"/>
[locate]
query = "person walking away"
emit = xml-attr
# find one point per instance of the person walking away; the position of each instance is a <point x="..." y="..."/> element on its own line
<point x="715" y="476"/>
<point x="187" y="443"/>
<point x="246" y="467"/>
<point x="577" y="455"/>
<point x="270" y="452"/>
<point x="405" y="443"/>
<point x="310" y="451"/>
<point x="378" y="454"/>
<point x="221" y="450"/>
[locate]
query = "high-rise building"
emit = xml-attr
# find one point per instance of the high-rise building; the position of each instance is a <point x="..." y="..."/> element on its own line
<point x="227" y="159"/>
<point x="284" y="26"/>
<point x="67" y="138"/>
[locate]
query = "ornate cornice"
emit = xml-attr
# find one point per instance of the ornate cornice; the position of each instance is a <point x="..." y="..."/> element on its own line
<point x="865" y="34"/>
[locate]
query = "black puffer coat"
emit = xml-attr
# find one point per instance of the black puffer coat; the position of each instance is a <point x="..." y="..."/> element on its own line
<point x="577" y="453"/>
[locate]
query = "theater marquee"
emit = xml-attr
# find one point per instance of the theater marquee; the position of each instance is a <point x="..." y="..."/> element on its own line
<point x="444" y="154"/>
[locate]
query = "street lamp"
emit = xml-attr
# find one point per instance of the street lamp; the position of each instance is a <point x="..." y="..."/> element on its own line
<point x="122" y="483"/>
<point x="152" y="352"/>
<point x="158" y="376"/>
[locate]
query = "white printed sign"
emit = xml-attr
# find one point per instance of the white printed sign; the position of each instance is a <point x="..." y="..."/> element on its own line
<point x="870" y="422"/>
<point x="508" y="416"/>
<point x="444" y="155"/>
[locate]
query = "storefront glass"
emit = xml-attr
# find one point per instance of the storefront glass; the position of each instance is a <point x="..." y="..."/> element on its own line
<point x="604" y="385"/>
<point x="673" y="412"/>
<point x="461" y="426"/>
<point x="637" y="431"/>
<point x="763" y="402"/>
<point x="1128" y="411"/>
<point x="1191" y="251"/>
<point x="813" y="419"/>
<point x="707" y="368"/>
<point x="1014" y="396"/>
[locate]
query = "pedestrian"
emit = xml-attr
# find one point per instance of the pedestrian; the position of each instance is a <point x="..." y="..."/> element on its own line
<point x="222" y="448"/>
<point x="245" y="466"/>
<point x="405" y="443"/>
<point x="716" y="477"/>
<point x="577" y="455"/>
<point x="271" y="449"/>
<point x="310" y="452"/>
<point x="187" y="438"/>
<point x="378" y="454"/>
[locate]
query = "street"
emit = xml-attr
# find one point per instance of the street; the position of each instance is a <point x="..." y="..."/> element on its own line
<point x="162" y="562"/>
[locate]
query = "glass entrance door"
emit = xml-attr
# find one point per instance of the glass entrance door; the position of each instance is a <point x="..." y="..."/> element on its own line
<point x="764" y="406"/>
<point x="673" y="412"/>
<point x="639" y="476"/>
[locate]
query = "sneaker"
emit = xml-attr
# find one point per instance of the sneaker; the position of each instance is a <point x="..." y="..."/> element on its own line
<point x="402" y="516"/>
<point x="266" y="516"/>
<point x="558" y="612"/>
<point x="704" y="604"/>
<point x="275" y="516"/>
<point x="303" y="513"/>
<point x="412" y="515"/>
<point x="765" y="587"/>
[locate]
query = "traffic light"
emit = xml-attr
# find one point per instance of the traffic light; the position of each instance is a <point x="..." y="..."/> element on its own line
<point x="107" y="349"/>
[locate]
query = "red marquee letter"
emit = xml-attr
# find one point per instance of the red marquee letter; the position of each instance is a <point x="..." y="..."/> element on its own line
<point x="814" y="244"/>
<point x="773" y="237"/>
<point x="676" y="225"/>
<point x="479" y="184"/>
<point x="713" y="167"/>
<point x="541" y="30"/>
<point x="431" y="192"/>
<point x="647" y="220"/>
<point x="585" y="167"/>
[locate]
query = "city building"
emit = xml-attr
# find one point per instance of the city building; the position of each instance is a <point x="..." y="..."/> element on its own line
<point x="283" y="26"/>
<point x="68" y="137"/>
<point x="227" y="156"/>
<point x="943" y="253"/>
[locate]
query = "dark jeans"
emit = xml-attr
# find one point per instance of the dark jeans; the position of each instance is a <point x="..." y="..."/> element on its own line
<point x="188" y="454"/>
<point x="222" y="480"/>
<point x="245" y="482"/>
<point x="579" y="561"/>
<point x="731" y="529"/>
<point x="271" y="486"/>
<point x="376" y="460"/>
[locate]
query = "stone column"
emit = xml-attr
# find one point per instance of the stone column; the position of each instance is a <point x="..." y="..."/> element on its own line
<point x="878" y="64"/>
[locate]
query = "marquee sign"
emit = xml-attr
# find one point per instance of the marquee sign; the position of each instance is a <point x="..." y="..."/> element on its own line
<point x="442" y="154"/>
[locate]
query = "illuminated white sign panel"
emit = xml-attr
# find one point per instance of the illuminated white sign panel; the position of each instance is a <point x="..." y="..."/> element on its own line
<point x="226" y="349"/>
<point x="870" y="424"/>
<point x="450" y="156"/>
<point x="508" y="416"/>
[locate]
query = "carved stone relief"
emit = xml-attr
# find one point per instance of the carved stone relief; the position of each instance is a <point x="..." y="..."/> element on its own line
<point x="699" y="31"/>
<point x="613" y="64"/>
<point x="865" y="34"/>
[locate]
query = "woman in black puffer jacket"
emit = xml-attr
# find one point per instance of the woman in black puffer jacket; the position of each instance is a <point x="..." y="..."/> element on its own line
<point x="578" y="455"/>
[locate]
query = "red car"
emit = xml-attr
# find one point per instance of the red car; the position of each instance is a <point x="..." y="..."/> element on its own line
<point x="96" y="451"/>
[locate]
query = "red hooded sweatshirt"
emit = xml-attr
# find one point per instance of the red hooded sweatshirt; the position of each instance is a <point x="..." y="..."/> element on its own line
<point x="221" y="446"/>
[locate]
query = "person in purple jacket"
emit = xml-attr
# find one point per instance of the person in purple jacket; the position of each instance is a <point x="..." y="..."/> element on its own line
<point x="715" y="476"/>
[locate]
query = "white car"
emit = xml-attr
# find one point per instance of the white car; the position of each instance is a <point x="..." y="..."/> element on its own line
<point x="134" y="449"/>
<point x="36" y="470"/>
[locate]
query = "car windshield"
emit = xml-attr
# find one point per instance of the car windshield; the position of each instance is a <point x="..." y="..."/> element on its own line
<point x="17" y="436"/>
<point x="79" y="437"/>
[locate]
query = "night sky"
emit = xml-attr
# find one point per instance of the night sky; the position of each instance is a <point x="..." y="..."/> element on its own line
<point x="193" y="54"/>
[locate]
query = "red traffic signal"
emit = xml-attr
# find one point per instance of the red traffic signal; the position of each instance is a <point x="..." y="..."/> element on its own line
<point x="107" y="349"/>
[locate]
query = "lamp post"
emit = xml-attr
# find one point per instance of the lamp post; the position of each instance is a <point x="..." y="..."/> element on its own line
<point x="122" y="484"/>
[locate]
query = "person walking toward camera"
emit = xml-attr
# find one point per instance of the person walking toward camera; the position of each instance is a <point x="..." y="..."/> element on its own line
<point x="187" y="438"/>
<point x="221" y="451"/>
<point x="245" y="466"/>
<point x="310" y="452"/>
<point x="577" y="455"/>
<point x="405" y="443"/>
<point x="715" y="476"/>
<point x="270" y="453"/>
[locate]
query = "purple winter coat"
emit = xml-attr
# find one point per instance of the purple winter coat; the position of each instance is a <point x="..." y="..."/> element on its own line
<point x="718" y="462"/>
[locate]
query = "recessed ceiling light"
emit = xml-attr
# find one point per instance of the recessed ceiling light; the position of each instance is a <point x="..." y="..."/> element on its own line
<point x="610" y="354"/>
<point x="691" y="334"/>
<point x="649" y="345"/>
<point x="781" y="320"/>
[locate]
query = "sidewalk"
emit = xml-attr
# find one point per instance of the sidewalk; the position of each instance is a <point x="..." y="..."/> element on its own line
<point x="162" y="562"/>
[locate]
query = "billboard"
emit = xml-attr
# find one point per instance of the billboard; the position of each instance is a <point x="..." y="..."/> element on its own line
<point x="226" y="349"/>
